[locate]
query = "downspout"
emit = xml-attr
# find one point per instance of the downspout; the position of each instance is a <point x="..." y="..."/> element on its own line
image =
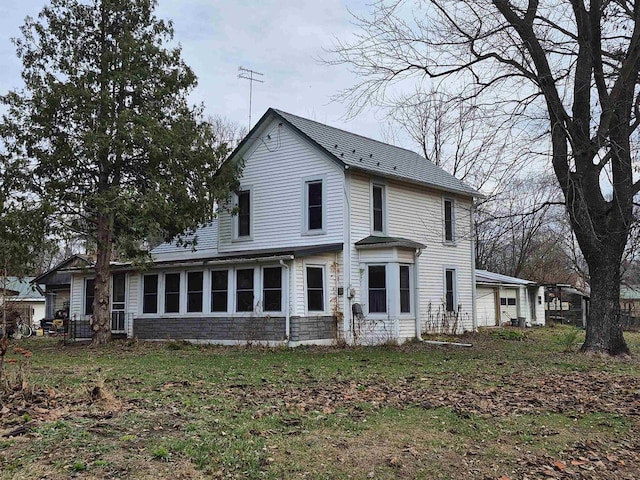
<point x="346" y="259"/>
<point x="287" y="319"/>
<point x="474" y="313"/>
<point x="416" y="295"/>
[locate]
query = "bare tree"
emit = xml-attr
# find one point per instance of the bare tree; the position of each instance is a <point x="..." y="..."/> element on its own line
<point x="227" y="131"/>
<point x="566" y="70"/>
<point x="463" y="138"/>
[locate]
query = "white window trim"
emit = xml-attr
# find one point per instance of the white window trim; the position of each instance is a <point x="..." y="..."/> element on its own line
<point x="411" y="311"/>
<point x="325" y="289"/>
<point x="181" y="304"/>
<point x="228" y="309"/>
<point x="256" y="288"/>
<point x="386" y="287"/>
<point x="186" y="292"/>
<point x="455" y="288"/>
<point x="84" y="294"/>
<point x="305" y="205"/>
<point x="260" y="298"/>
<point x="385" y="209"/>
<point x="448" y="198"/>
<point x="141" y="295"/>
<point x="236" y="218"/>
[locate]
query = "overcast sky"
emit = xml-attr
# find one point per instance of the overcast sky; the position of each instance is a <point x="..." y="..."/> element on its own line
<point x="282" y="39"/>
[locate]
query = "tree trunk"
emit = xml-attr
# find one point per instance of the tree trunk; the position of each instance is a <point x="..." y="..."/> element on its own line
<point x="604" y="330"/>
<point x="101" y="320"/>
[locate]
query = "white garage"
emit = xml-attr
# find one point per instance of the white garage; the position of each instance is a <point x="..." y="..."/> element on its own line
<point x="501" y="299"/>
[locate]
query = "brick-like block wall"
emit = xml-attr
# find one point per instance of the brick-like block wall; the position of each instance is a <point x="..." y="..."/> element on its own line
<point x="313" y="328"/>
<point x="244" y="329"/>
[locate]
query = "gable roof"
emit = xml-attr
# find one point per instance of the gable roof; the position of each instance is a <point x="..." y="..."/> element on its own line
<point x="56" y="275"/>
<point x="354" y="151"/>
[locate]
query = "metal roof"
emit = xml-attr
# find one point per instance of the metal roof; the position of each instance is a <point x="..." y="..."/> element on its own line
<point x="22" y="288"/>
<point x="630" y="292"/>
<point x="375" y="157"/>
<point x="484" y="276"/>
<point x="206" y="245"/>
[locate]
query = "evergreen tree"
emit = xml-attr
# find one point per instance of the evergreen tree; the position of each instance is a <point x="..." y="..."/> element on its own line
<point x="104" y="118"/>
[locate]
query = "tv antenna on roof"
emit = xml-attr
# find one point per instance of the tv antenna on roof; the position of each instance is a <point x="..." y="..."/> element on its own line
<point x="248" y="74"/>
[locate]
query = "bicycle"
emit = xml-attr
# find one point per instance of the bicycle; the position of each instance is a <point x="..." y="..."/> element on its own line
<point x="24" y="330"/>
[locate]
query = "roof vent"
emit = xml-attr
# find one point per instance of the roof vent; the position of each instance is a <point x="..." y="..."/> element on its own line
<point x="395" y="168"/>
<point x="360" y="158"/>
<point x="342" y="154"/>
<point x="371" y="155"/>
<point x="353" y="151"/>
<point x="378" y="164"/>
<point x="335" y="146"/>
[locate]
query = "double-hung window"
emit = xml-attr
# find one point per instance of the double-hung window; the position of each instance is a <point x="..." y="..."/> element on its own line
<point x="377" y="212"/>
<point x="219" y="290"/>
<point x="150" y="294"/>
<point x="377" y="280"/>
<point x="315" y="289"/>
<point x="89" y="295"/>
<point x="243" y="226"/>
<point x="449" y="220"/>
<point x="172" y="293"/>
<point x="450" y="289"/>
<point x="194" y="291"/>
<point x="314" y="206"/>
<point x="244" y="290"/>
<point x="272" y="289"/>
<point x="405" y="289"/>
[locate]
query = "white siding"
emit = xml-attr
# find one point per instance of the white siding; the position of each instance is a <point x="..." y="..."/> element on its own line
<point x="133" y="297"/>
<point x="275" y="169"/>
<point x="416" y="213"/>
<point x="333" y="271"/>
<point x="76" y="306"/>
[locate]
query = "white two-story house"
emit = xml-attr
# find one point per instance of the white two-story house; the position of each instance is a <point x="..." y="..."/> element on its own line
<point x="333" y="237"/>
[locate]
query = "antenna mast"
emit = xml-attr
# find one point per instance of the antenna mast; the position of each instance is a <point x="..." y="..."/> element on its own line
<point x="248" y="74"/>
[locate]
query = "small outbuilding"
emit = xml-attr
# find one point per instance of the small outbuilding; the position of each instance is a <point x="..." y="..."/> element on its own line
<point x="502" y="299"/>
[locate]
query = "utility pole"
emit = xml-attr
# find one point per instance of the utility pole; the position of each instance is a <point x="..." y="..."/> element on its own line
<point x="248" y="74"/>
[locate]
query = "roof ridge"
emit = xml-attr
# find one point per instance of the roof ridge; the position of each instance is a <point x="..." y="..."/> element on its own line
<point x="352" y="133"/>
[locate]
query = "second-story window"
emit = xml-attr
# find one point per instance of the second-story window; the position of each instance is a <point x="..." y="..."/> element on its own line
<point x="244" y="213"/>
<point x="314" y="205"/>
<point x="378" y="208"/>
<point x="449" y="220"/>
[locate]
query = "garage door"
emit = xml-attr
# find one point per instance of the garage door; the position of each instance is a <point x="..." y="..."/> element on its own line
<point x="486" y="307"/>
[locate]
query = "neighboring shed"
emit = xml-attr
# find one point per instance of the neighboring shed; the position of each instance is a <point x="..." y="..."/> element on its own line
<point x="502" y="299"/>
<point x="22" y="297"/>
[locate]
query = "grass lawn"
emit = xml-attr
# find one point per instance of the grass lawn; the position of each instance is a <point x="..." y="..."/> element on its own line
<point x="509" y="407"/>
